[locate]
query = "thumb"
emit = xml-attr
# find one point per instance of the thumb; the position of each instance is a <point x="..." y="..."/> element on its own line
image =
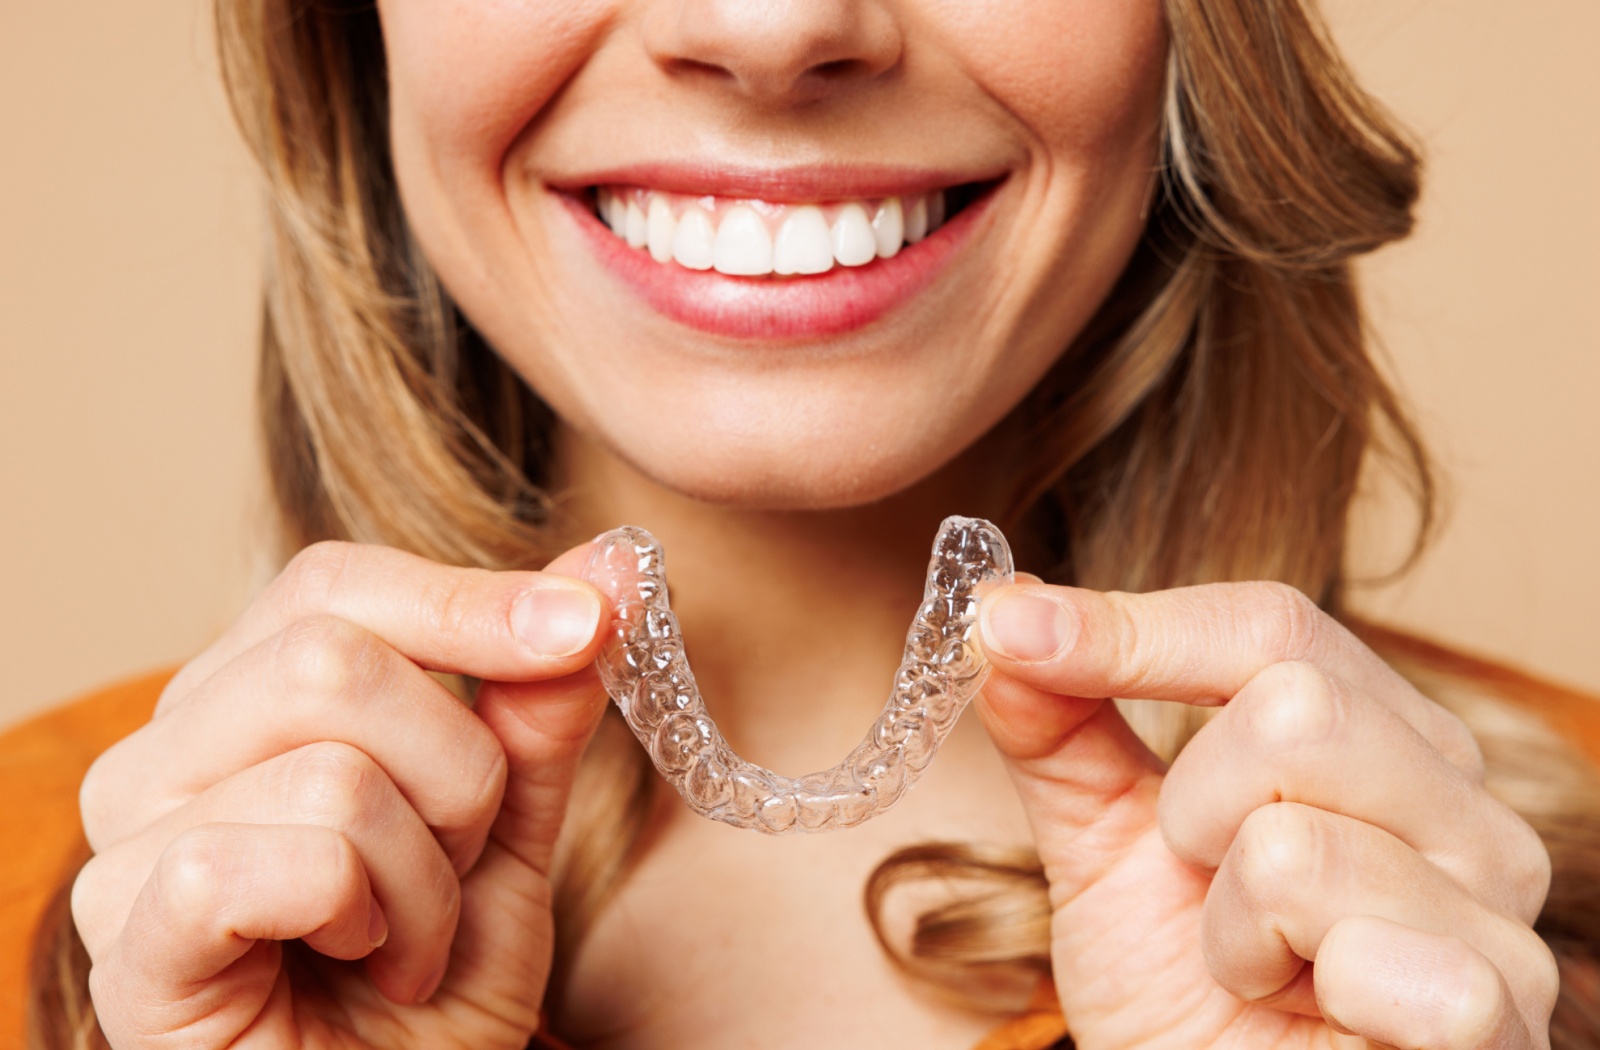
<point x="544" y="727"/>
<point x="501" y="957"/>
<point x="500" y="960"/>
<point x="1088" y="784"/>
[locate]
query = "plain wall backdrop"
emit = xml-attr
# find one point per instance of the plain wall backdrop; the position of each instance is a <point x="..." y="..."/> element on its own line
<point x="129" y="257"/>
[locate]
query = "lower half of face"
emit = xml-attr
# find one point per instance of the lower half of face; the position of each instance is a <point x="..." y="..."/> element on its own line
<point x="786" y="256"/>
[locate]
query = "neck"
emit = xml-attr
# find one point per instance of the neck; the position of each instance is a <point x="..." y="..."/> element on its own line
<point x="793" y="621"/>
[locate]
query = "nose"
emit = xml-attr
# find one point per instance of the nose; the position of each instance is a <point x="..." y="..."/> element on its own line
<point x="775" y="51"/>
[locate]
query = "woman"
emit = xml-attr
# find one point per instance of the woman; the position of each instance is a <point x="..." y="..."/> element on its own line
<point x="543" y="268"/>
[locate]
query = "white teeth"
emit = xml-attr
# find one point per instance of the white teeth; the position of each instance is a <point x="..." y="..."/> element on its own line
<point x="917" y="221"/>
<point x="637" y="234"/>
<point x="659" y="228"/>
<point x="694" y="242"/>
<point x="611" y="211"/>
<point x="802" y="245"/>
<point x="853" y="241"/>
<point x="751" y="239"/>
<point x="889" y="228"/>
<point x="744" y="246"/>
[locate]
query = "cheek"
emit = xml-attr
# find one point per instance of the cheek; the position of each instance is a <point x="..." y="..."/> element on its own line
<point x="1082" y="80"/>
<point x="470" y="75"/>
<point x="1083" y="75"/>
<point x="466" y="77"/>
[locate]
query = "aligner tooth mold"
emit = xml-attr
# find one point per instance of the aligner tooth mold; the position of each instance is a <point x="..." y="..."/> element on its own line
<point x="644" y="670"/>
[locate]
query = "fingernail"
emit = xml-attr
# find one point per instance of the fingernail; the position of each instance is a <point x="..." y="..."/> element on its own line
<point x="556" y="620"/>
<point x="377" y="926"/>
<point x="1026" y="627"/>
<point x="426" y="989"/>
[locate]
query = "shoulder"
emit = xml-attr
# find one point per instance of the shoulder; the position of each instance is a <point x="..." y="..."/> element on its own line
<point x="42" y="761"/>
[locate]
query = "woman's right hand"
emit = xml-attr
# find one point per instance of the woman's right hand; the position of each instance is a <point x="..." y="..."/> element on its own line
<point x="305" y="780"/>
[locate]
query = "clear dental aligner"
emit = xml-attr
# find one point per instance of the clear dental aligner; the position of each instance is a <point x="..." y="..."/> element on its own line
<point x="644" y="670"/>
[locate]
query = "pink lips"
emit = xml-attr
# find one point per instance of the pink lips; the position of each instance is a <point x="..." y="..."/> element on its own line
<point x="778" y="308"/>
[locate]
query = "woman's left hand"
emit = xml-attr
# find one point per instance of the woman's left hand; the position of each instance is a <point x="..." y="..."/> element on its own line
<point x="1322" y="858"/>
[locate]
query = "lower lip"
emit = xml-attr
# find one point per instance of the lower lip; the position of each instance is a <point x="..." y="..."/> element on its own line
<point x="780" y="308"/>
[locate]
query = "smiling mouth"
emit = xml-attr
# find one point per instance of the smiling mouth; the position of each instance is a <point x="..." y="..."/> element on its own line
<point x="778" y="257"/>
<point x="748" y="237"/>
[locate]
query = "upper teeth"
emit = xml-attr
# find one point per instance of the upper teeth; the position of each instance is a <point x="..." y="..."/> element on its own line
<point x="750" y="238"/>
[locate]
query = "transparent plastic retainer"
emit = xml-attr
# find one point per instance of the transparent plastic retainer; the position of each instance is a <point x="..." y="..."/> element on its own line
<point x="643" y="668"/>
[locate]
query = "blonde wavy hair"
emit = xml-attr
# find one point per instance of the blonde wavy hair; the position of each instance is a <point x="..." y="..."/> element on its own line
<point x="1141" y="470"/>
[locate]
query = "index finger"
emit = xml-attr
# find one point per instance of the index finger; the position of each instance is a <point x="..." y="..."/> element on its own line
<point x="1194" y="645"/>
<point x="505" y="626"/>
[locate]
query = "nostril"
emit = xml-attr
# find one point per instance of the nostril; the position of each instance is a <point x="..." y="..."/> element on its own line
<point x="838" y="69"/>
<point x="695" y="67"/>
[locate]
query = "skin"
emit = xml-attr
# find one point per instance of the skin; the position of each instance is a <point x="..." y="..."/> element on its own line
<point x="315" y="843"/>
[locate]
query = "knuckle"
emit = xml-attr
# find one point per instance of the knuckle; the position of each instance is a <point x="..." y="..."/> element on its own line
<point x="1278" y="852"/>
<point x="1467" y="754"/>
<point x="94" y="799"/>
<point x="1475" y="994"/>
<point x="323" y="656"/>
<point x="116" y="1009"/>
<point x="83" y="891"/>
<point x="1285" y="623"/>
<point x="179" y="686"/>
<point x="1458" y="744"/>
<point x="1530" y="868"/>
<point x="346" y="874"/>
<point x="458" y="606"/>
<point x="88" y="901"/>
<point x="188" y="874"/>
<point x="103" y="993"/>
<point x="1131" y="647"/>
<point x="115" y="800"/>
<point x="331" y="784"/>
<point x="1290" y="705"/>
<point x="307" y="584"/>
<point x="476" y="797"/>
<point x="334" y="865"/>
<point x="1539" y="966"/>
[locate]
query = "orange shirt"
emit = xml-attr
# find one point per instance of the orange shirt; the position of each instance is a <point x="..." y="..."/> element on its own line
<point x="43" y="760"/>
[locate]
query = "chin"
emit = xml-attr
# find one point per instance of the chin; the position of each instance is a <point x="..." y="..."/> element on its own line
<point x="801" y="474"/>
<point x="787" y="439"/>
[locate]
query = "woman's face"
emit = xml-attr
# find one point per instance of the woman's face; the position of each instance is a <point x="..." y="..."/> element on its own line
<point x="752" y="137"/>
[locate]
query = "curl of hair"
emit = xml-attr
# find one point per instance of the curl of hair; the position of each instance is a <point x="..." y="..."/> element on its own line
<point x="1209" y="424"/>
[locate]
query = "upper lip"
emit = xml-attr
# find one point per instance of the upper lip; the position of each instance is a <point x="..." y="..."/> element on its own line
<point x="778" y="185"/>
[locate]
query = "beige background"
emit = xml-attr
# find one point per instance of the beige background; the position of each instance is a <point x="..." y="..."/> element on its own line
<point x="128" y="259"/>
